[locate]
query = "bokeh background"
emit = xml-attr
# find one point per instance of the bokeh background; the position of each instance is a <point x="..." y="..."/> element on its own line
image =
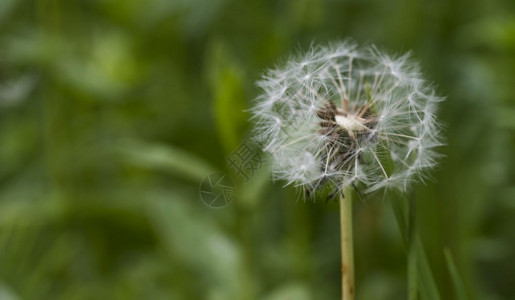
<point x="113" y="112"/>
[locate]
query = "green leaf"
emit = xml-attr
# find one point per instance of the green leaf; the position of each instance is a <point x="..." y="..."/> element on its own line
<point x="6" y="7"/>
<point x="290" y="291"/>
<point x="506" y="117"/>
<point x="6" y="293"/>
<point x="198" y="243"/>
<point x="226" y="84"/>
<point x="164" y="157"/>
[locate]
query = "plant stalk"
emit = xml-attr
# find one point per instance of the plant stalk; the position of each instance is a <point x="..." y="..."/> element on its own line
<point x="347" y="244"/>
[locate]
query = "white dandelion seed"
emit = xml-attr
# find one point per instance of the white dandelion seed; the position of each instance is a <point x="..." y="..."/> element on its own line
<point x="342" y="115"/>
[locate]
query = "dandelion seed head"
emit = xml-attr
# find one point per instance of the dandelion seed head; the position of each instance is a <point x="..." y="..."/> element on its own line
<point x="342" y="115"/>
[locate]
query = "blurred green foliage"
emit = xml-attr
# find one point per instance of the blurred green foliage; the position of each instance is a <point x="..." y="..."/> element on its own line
<point x="112" y="113"/>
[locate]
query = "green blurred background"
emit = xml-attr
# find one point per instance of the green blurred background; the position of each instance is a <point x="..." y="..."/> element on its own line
<point x="113" y="112"/>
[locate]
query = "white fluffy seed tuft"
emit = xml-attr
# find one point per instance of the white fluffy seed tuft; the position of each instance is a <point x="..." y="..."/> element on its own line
<point x="342" y="115"/>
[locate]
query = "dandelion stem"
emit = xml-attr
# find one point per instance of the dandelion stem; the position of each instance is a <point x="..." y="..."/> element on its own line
<point x="347" y="244"/>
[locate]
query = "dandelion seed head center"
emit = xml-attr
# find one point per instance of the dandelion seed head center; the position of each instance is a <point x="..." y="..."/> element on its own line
<point x="346" y="130"/>
<point x="350" y="122"/>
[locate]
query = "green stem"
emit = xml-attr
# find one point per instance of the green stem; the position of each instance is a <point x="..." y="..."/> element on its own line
<point x="347" y="245"/>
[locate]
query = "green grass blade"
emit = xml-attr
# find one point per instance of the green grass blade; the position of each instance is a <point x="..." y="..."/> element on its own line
<point x="428" y="288"/>
<point x="417" y="259"/>
<point x="459" y="287"/>
<point x="412" y="275"/>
